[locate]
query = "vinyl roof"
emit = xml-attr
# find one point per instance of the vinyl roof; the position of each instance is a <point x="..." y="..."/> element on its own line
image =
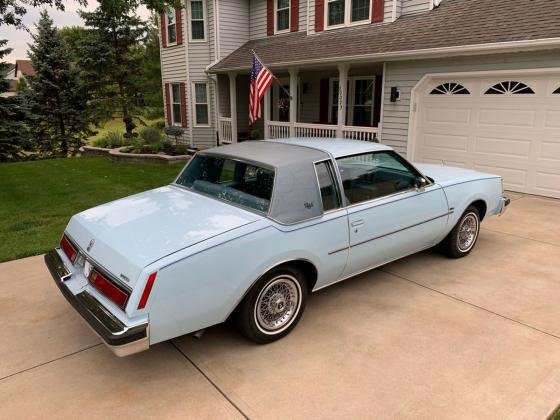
<point x="454" y="24"/>
<point x="336" y="147"/>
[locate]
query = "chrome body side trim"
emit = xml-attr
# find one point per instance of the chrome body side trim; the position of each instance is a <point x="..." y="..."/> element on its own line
<point x="402" y="229"/>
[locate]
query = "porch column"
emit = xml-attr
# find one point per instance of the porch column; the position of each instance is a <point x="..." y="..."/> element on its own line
<point x="342" y="94"/>
<point x="293" y="101"/>
<point x="266" y="113"/>
<point x="233" y="106"/>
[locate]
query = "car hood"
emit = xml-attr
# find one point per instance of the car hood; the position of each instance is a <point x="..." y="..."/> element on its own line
<point x="135" y="231"/>
<point x="447" y="175"/>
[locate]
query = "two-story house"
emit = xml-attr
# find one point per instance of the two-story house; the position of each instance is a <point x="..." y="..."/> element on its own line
<point x="473" y="83"/>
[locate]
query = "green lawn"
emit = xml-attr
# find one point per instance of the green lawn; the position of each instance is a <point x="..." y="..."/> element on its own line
<point x="38" y="198"/>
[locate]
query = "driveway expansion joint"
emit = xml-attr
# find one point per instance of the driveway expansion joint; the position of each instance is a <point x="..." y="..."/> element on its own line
<point x="51" y="361"/>
<point x="519" y="236"/>
<point x="471" y="304"/>
<point x="209" y="380"/>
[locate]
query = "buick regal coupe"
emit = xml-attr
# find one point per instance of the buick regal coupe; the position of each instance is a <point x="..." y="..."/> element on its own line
<point x="250" y="230"/>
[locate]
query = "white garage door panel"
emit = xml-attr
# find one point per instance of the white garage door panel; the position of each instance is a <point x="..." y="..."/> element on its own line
<point x="513" y="135"/>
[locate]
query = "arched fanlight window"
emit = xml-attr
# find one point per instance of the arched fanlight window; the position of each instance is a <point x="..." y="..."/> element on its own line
<point x="509" y="87"/>
<point x="450" y="88"/>
<point x="556" y="92"/>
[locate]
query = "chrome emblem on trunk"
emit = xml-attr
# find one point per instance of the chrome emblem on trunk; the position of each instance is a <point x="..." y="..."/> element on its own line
<point x="91" y="243"/>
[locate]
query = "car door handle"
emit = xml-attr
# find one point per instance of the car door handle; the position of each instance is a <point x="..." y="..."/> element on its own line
<point x="356" y="223"/>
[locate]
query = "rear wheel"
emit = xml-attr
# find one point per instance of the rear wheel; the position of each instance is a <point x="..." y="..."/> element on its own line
<point x="462" y="238"/>
<point x="273" y="306"/>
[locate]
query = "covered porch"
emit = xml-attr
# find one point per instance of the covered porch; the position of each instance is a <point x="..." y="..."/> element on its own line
<point x="341" y="101"/>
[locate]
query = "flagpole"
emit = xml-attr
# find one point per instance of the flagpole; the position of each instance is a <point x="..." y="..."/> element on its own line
<point x="273" y="76"/>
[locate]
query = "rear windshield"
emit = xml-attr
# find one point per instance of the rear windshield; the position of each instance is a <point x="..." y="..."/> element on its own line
<point x="234" y="181"/>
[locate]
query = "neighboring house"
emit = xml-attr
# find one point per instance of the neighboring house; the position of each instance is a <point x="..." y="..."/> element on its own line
<point x="18" y="71"/>
<point x="473" y="83"/>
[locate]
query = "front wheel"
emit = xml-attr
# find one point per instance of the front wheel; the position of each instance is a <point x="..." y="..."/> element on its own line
<point x="462" y="238"/>
<point x="273" y="306"/>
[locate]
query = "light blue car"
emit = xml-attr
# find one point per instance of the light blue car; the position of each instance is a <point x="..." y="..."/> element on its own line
<point x="249" y="230"/>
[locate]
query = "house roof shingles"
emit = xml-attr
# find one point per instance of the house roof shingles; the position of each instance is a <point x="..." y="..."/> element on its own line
<point x="455" y="23"/>
<point x="25" y="67"/>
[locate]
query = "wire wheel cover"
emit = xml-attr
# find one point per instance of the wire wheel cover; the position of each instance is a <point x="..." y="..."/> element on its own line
<point x="468" y="231"/>
<point x="278" y="303"/>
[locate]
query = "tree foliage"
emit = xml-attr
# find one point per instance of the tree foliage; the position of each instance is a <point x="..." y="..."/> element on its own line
<point x="12" y="11"/>
<point x="56" y="95"/>
<point x="107" y="60"/>
<point x="13" y="130"/>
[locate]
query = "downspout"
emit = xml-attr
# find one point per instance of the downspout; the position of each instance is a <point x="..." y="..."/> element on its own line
<point x="380" y="126"/>
<point x="213" y="77"/>
<point x="190" y="115"/>
<point x="307" y="18"/>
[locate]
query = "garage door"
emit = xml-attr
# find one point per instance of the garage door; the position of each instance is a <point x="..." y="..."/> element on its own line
<point x="506" y="124"/>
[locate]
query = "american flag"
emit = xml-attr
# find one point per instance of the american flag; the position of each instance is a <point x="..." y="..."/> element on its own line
<point x="261" y="79"/>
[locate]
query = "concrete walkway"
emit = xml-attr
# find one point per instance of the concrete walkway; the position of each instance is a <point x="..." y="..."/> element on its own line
<point x="423" y="337"/>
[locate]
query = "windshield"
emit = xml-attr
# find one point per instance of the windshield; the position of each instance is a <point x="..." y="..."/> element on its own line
<point x="230" y="180"/>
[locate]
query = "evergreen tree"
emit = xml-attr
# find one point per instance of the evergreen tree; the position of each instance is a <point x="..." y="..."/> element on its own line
<point x="13" y="127"/>
<point x="56" y="95"/>
<point x="108" y="60"/>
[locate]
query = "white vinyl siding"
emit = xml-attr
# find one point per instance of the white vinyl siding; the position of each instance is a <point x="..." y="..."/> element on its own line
<point x="406" y="74"/>
<point x="257" y="19"/>
<point x="234" y="26"/>
<point x="414" y="6"/>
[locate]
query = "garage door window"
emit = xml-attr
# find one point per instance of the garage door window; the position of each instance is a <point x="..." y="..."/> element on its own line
<point x="557" y="91"/>
<point x="450" y="88"/>
<point x="510" y="87"/>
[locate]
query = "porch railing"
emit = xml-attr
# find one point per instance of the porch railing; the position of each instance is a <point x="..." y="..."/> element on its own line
<point x="315" y="130"/>
<point x="278" y="130"/>
<point x="360" y="133"/>
<point x="226" y="136"/>
<point x="281" y="130"/>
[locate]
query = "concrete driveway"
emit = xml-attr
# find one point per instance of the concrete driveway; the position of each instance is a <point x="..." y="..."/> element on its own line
<point x="423" y="337"/>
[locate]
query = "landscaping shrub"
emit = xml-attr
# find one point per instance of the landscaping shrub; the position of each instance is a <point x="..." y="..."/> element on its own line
<point x="180" y="149"/>
<point x="111" y="140"/>
<point x="158" y="124"/>
<point x="150" y="135"/>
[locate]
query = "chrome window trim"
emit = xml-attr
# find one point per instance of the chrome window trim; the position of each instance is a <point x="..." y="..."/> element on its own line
<point x="331" y="170"/>
<point x="372" y="200"/>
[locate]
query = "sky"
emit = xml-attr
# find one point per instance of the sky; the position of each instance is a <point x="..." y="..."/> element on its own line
<point x="19" y="38"/>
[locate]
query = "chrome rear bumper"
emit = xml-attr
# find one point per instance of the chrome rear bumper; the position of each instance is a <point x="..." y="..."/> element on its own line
<point x="120" y="338"/>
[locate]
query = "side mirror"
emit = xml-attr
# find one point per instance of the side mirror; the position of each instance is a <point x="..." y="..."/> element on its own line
<point x="421" y="182"/>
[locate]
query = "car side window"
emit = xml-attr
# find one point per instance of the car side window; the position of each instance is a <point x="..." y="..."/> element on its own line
<point x="372" y="175"/>
<point x="329" y="192"/>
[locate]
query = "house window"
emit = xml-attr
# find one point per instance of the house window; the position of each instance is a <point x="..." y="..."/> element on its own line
<point x="450" y="88"/>
<point x="359" y="101"/>
<point x="176" y="103"/>
<point x="347" y="12"/>
<point x="510" y="87"/>
<point x="201" y="103"/>
<point x="198" y="30"/>
<point x="282" y="15"/>
<point x="171" y="27"/>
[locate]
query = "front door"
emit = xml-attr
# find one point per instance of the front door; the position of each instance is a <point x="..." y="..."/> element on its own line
<point x="388" y="216"/>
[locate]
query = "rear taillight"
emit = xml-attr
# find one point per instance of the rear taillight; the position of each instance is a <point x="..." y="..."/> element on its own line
<point x="147" y="290"/>
<point x="111" y="291"/>
<point x="68" y="249"/>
